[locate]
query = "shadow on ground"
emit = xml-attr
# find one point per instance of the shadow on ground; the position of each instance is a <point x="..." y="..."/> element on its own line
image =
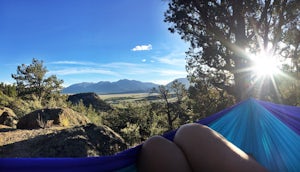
<point x="83" y="141"/>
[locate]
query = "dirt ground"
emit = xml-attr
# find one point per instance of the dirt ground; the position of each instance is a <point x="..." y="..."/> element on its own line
<point x="9" y="135"/>
<point x="78" y="141"/>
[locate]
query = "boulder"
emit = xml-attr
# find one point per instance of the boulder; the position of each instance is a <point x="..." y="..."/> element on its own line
<point x="90" y="99"/>
<point x="45" y="118"/>
<point x="81" y="141"/>
<point x="8" y="117"/>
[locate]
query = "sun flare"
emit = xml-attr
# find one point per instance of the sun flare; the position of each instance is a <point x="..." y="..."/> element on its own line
<point x="265" y="64"/>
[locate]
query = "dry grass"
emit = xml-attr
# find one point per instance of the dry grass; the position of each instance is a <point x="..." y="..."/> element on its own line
<point x="9" y="135"/>
<point x="128" y="97"/>
<point x="125" y="95"/>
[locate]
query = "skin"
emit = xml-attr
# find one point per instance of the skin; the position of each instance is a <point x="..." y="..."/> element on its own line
<point x="195" y="148"/>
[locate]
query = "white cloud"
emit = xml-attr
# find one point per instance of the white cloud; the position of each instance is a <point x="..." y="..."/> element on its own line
<point x="174" y="73"/>
<point x="8" y="82"/>
<point x="120" y="65"/>
<point x="72" y="71"/>
<point x="174" y="59"/>
<point x="161" y="82"/>
<point x="133" y="69"/>
<point x="72" y="63"/>
<point x="142" y="48"/>
<point x="158" y="73"/>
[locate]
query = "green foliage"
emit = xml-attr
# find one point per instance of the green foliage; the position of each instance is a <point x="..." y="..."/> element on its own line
<point x="172" y="103"/>
<point x="158" y="124"/>
<point x="288" y="89"/>
<point x="7" y="94"/>
<point x="4" y="99"/>
<point x="222" y="34"/>
<point x="95" y="116"/>
<point x="131" y="133"/>
<point x="92" y="114"/>
<point x="135" y="121"/>
<point x="19" y="106"/>
<point x="31" y="82"/>
<point x="8" y="89"/>
<point x="22" y="107"/>
<point x="56" y="101"/>
<point x="205" y="101"/>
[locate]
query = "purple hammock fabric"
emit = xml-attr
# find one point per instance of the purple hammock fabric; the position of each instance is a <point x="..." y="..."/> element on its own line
<point x="270" y="132"/>
<point x="290" y="115"/>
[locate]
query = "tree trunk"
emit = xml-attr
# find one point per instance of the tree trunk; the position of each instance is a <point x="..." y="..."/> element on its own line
<point x="241" y="76"/>
<point x="170" y="122"/>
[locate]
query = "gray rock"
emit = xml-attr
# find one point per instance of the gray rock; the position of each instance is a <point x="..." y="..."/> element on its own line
<point x="45" y="118"/>
<point x="8" y="117"/>
<point x="90" y="99"/>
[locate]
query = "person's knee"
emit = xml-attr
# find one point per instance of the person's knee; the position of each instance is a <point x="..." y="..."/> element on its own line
<point x="160" y="154"/>
<point x="150" y="148"/>
<point x="202" y="144"/>
<point x="189" y="131"/>
<point x="154" y="146"/>
<point x="154" y="142"/>
<point x="192" y="127"/>
<point x="196" y="136"/>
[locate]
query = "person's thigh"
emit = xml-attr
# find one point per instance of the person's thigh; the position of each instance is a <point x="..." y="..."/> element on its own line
<point x="207" y="150"/>
<point x="160" y="154"/>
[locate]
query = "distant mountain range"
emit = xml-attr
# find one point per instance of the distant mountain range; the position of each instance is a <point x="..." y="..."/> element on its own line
<point x="121" y="86"/>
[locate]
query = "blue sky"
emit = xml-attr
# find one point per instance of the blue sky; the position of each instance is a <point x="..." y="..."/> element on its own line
<point x="91" y="40"/>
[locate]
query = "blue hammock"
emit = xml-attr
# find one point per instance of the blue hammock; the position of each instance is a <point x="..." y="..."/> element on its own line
<point x="267" y="131"/>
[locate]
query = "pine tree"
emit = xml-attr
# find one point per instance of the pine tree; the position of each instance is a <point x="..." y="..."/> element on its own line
<point x="222" y="33"/>
<point x="31" y="81"/>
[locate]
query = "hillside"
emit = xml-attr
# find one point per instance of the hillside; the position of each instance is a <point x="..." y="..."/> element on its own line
<point x="80" y="141"/>
<point x="121" y="86"/>
<point x="105" y="87"/>
<point x="184" y="81"/>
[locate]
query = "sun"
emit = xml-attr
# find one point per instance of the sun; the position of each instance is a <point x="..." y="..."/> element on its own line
<point x="265" y="64"/>
<point x="265" y="71"/>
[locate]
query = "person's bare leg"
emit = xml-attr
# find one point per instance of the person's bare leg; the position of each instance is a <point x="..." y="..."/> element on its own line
<point x="160" y="154"/>
<point x="207" y="150"/>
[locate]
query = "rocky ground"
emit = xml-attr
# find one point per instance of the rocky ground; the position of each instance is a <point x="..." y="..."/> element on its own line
<point x="57" y="132"/>
<point x="81" y="141"/>
<point x="10" y="135"/>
